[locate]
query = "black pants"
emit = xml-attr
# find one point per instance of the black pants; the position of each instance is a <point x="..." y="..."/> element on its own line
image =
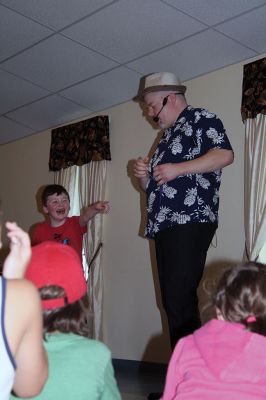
<point x="181" y="253"/>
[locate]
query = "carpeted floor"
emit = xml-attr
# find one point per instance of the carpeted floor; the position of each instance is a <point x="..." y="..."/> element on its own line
<point x="128" y="396"/>
<point x="137" y="379"/>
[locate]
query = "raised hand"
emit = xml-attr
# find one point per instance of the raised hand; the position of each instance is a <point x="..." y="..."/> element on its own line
<point x="102" y="207"/>
<point x="19" y="256"/>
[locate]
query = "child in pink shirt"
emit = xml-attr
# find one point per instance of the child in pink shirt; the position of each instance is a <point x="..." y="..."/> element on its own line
<point x="226" y="358"/>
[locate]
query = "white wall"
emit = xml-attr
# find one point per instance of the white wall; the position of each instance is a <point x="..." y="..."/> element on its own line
<point x="132" y="321"/>
<point x="23" y="169"/>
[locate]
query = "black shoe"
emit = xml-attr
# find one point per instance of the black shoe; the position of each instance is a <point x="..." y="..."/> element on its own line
<point x="154" y="396"/>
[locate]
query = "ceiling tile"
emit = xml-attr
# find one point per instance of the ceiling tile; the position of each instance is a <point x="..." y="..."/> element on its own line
<point x="10" y="130"/>
<point x="214" y="11"/>
<point x="61" y="60"/>
<point x="56" y="14"/>
<point x="238" y="28"/>
<point x="194" y="56"/>
<point x="48" y="112"/>
<point x="11" y="97"/>
<point x="128" y="29"/>
<point x="57" y="62"/>
<point x="114" y="87"/>
<point x="18" y="33"/>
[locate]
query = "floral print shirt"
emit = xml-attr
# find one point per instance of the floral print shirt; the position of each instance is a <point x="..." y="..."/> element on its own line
<point x="192" y="198"/>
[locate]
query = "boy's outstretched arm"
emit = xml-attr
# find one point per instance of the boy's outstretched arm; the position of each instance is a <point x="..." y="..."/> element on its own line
<point x="89" y="212"/>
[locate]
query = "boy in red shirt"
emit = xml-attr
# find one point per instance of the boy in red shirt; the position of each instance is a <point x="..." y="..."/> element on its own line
<point x="61" y="228"/>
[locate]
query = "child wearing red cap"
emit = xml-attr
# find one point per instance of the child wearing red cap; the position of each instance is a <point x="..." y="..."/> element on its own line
<point x="61" y="228"/>
<point x="79" y="367"/>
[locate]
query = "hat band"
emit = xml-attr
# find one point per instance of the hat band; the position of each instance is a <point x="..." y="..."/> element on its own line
<point x="159" y="88"/>
<point x="50" y="304"/>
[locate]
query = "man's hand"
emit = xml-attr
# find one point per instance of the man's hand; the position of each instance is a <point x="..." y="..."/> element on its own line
<point x="19" y="256"/>
<point x="165" y="172"/>
<point x="141" y="171"/>
<point x="211" y="161"/>
<point x="141" y="167"/>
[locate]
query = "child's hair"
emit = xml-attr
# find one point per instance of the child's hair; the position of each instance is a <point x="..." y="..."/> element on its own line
<point x="72" y="318"/>
<point x="49" y="190"/>
<point x="241" y="296"/>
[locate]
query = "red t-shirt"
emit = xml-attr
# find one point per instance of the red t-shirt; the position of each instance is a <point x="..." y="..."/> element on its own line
<point x="70" y="233"/>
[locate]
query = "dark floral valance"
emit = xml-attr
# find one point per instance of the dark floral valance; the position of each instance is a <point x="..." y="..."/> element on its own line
<point x="80" y="143"/>
<point x="254" y="89"/>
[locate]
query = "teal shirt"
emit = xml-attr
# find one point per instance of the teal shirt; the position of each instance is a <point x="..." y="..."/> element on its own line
<point x="79" y="368"/>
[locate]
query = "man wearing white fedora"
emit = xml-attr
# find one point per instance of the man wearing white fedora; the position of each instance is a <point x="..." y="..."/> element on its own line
<point x="182" y="181"/>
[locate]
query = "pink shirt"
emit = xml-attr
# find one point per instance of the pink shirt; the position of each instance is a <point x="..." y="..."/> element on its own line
<point x="220" y="361"/>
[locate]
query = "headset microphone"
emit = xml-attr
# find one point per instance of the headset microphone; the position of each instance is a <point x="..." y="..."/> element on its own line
<point x="156" y="118"/>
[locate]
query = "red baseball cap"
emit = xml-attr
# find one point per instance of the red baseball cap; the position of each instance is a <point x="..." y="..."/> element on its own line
<point x="57" y="264"/>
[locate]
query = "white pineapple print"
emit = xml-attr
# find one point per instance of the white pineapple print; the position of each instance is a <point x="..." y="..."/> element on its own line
<point x="207" y="114"/>
<point x="180" y="218"/>
<point x="187" y="129"/>
<point x="177" y="127"/>
<point x="182" y="120"/>
<point x="158" y="159"/>
<point x="190" y="198"/>
<point x="189" y="156"/>
<point x="215" y="197"/>
<point x="151" y="201"/>
<point x="207" y="212"/>
<point x="195" y="151"/>
<point x="192" y="153"/>
<point x="149" y="227"/>
<point x="176" y="146"/>
<point x="161" y="216"/>
<point x="217" y="138"/>
<point x="169" y="191"/>
<point x="200" y="201"/>
<point x="198" y="135"/>
<point x="197" y="116"/>
<point x="167" y="135"/>
<point x="203" y="182"/>
<point x="218" y="175"/>
<point x="155" y="227"/>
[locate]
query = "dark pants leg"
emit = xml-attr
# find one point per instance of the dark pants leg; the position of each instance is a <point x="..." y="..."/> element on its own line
<point x="181" y="253"/>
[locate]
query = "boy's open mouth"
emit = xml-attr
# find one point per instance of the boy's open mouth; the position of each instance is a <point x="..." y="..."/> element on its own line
<point x="60" y="211"/>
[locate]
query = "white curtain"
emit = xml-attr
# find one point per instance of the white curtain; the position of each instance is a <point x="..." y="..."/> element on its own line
<point x="86" y="185"/>
<point x="255" y="188"/>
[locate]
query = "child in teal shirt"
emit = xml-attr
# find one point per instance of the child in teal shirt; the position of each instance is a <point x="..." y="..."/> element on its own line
<point x="79" y="367"/>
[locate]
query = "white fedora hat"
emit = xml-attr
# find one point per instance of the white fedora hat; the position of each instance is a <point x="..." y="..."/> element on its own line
<point x="162" y="81"/>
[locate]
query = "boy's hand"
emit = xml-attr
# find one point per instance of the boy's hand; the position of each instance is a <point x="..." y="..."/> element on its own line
<point x="102" y="207"/>
<point x="19" y="256"/>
